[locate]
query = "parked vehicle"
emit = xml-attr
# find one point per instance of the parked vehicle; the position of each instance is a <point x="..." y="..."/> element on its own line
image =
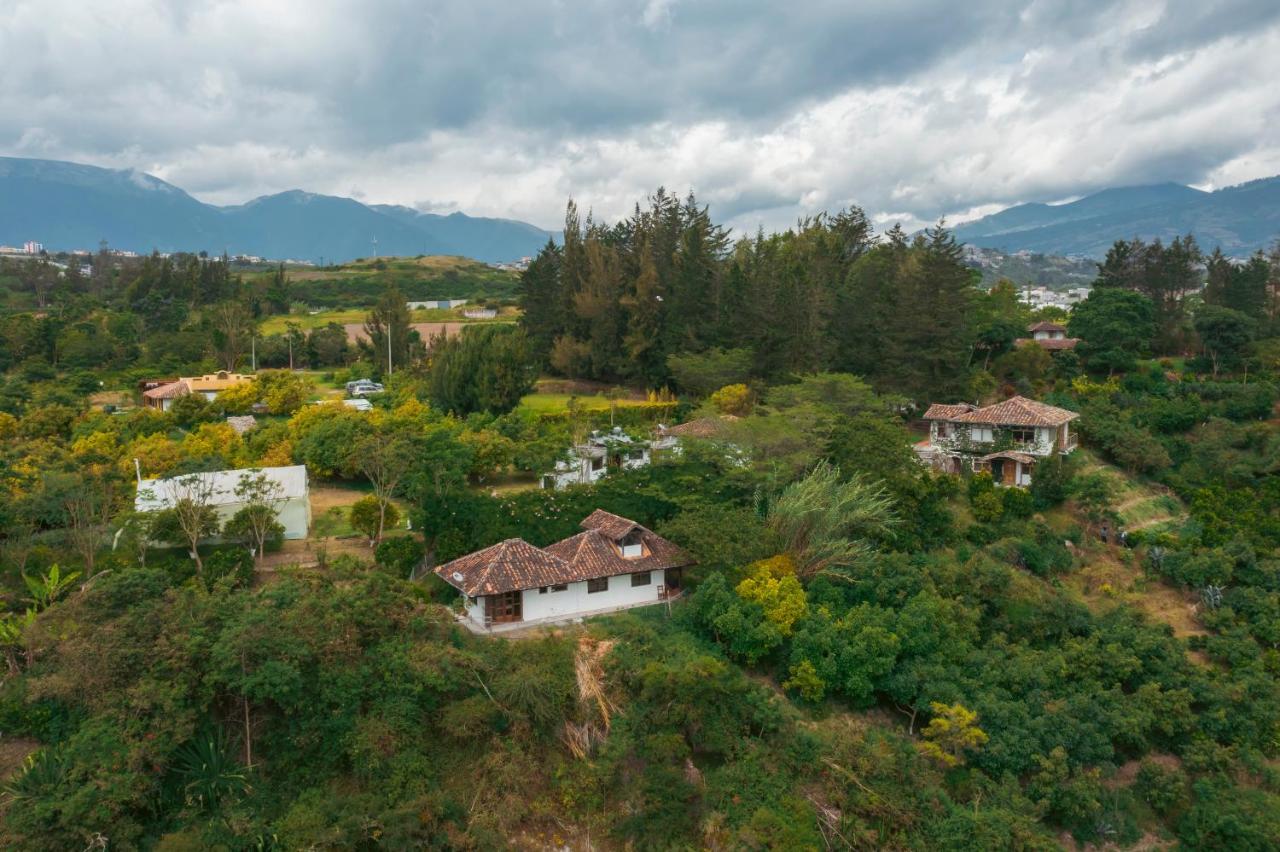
<point x="363" y="387"/>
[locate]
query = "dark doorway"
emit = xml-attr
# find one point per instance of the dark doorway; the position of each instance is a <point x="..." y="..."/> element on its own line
<point x="503" y="608"/>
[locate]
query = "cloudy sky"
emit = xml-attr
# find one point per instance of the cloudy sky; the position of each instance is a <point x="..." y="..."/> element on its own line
<point x="911" y="109"/>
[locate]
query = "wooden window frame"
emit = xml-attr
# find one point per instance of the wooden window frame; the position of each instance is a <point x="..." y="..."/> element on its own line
<point x="597" y="584"/>
<point x="637" y="582"/>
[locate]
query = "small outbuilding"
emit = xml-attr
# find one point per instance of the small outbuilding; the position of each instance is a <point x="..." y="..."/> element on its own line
<point x="218" y="489"/>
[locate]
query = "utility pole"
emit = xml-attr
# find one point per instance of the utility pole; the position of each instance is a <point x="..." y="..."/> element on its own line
<point x="253" y="349"/>
<point x="375" y="248"/>
<point x="388" y="348"/>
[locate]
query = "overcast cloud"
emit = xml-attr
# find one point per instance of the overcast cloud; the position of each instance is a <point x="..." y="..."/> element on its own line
<point x="911" y="109"/>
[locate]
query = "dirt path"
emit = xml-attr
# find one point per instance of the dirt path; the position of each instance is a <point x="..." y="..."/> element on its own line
<point x="13" y="753"/>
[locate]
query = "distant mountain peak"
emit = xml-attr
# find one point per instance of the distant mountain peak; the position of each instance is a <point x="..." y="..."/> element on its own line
<point x="70" y="205"/>
<point x="1239" y="220"/>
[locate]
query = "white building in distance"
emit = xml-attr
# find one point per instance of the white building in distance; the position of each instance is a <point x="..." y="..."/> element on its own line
<point x="293" y="513"/>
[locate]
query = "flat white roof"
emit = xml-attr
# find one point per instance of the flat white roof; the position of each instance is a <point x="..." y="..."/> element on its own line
<point x="156" y="494"/>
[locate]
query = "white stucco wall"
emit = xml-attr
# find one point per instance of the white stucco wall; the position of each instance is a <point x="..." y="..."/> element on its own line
<point x="577" y="600"/>
<point x="294" y="516"/>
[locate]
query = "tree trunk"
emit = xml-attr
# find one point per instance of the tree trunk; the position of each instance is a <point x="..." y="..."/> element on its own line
<point x="248" y="728"/>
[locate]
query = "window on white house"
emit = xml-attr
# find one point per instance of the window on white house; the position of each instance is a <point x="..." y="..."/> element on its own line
<point x="980" y="433"/>
<point x="1024" y="435"/>
<point x="600" y="584"/>
<point x="631" y="546"/>
<point x="560" y="587"/>
<point x="641" y="579"/>
<point x="542" y="590"/>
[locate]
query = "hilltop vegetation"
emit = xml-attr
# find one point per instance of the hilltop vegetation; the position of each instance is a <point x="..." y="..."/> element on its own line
<point x="869" y="654"/>
<point x="359" y="283"/>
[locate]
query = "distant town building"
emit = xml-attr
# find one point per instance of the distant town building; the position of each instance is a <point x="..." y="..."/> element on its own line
<point x="1050" y="336"/>
<point x="32" y="247"/>
<point x="480" y="313"/>
<point x="437" y="304"/>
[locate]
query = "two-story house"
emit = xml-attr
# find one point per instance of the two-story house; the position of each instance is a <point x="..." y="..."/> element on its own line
<point x="1007" y="439"/>
<point x="587" y="462"/>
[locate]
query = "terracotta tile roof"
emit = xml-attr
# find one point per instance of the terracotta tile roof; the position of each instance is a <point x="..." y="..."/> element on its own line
<point x="1018" y="411"/>
<point x="940" y="411"/>
<point x="172" y="390"/>
<point x="515" y="564"/>
<point x="592" y="554"/>
<point x="503" y="567"/>
<point x="1046" y="326"/>
<point x="613" y="526"/>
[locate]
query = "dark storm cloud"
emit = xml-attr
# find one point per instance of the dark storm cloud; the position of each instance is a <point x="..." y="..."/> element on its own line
<point x="770" y="111"/>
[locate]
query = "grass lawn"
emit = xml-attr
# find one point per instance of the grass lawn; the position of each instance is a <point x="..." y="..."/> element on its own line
<point x="278" y="324"/>
<point x="546" y="403"/>
<point x="511" y="483"/>
<point x="330" y="503"/>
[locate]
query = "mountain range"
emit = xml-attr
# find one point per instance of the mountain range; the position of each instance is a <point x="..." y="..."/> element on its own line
<point x="1238" y="219"/>
<point x="72" y="206"/>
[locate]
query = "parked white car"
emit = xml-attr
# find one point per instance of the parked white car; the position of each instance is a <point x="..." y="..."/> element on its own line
<point x="363" y="387"/>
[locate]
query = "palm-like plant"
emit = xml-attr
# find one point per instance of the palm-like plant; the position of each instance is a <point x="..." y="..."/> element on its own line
<point x="47" y="589"/>
<point x="824" y="521"/>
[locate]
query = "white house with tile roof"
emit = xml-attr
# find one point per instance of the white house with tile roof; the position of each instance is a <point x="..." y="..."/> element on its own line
<point x="613" y="564"/>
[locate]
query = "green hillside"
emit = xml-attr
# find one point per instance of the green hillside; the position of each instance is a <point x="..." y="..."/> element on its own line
<point x="359" y="283"/>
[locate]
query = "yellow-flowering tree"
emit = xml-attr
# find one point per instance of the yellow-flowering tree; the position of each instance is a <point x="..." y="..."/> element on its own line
<point x="156" y="453"/>
<point x="772" y="583"/>
<point x="733" y="399"/>
<point x="214" y="440"/>
<point x="951" y="732"/>
<point x="239" y="399"/>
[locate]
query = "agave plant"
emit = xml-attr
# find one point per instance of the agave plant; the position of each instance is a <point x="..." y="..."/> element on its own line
<point x="209" y="774"/>
<point x="42" y="773"/>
